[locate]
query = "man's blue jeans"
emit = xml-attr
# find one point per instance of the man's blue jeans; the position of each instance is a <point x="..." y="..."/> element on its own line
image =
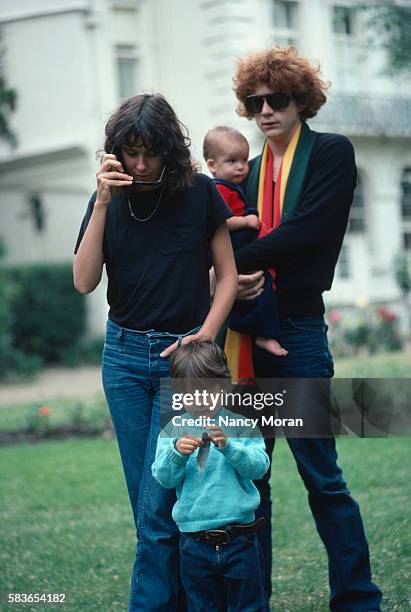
<point x="230" y="572"/>
<point x="336" y="513"/>
<point x="132" y="370"/>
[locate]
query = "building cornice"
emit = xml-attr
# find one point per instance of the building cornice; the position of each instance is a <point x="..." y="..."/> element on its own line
<point x="31" y="160"/>
<point x="366" y="115"/>
<point x="78" y="6"/>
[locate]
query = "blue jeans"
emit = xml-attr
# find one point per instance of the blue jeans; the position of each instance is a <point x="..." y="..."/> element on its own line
<point x="336" y="513"/>
<point x="230" y="572"/>
<point x="132" y="370"/>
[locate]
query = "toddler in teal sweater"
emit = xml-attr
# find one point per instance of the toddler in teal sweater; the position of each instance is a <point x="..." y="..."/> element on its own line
<point x="220" y="557"/>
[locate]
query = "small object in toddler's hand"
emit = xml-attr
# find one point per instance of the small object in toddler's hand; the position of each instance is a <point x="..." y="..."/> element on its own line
<point x="203" y="451"/>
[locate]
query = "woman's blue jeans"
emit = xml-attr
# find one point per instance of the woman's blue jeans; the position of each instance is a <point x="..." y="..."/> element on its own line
<point x="336" y="513"/>
<point x="132" y="370"/>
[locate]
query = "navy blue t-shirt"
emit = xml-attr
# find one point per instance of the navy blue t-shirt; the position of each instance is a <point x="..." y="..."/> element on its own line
<point x="158" y="270"/>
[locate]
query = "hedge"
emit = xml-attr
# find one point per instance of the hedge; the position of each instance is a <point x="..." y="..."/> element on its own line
<point x="42" y="317"/>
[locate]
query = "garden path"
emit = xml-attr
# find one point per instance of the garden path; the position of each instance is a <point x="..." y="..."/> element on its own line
<point x="52" y="383"/>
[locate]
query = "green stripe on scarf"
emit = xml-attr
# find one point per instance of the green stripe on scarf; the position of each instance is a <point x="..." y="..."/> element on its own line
<point x="253" y="181"/>
<point x="296" y="177"/>
<point x="298" y="171"/>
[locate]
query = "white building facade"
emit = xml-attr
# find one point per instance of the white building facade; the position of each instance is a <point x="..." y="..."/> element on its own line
<point x="72" y="61"/>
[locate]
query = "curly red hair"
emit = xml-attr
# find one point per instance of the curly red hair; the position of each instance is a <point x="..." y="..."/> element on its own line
<point x="285" y="71"/>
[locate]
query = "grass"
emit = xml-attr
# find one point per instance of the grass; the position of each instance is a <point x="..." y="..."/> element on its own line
<point x="377" y="471"/>
<point x="381" y="365"/>
<point x="66" y="524"/>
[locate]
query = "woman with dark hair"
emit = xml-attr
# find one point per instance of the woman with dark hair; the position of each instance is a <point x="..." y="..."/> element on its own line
<point x="152" y="222"/>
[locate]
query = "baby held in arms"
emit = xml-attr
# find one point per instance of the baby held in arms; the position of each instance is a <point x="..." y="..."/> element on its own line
<point x="226" y="151"/>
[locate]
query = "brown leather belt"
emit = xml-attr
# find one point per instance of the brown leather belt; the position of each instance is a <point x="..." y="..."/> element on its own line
<point x="223" y="535"/>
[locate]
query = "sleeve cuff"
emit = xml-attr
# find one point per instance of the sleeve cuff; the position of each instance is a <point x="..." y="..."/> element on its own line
<point x="228" y="450"/>
<point x="175" y="456"/>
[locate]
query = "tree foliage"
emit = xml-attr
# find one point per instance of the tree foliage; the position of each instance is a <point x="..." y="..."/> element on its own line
<point x="402" y="272"/>
<point x="8" y="99"/>
<point x="389" y="26"/>
<point x="7" y="104"/>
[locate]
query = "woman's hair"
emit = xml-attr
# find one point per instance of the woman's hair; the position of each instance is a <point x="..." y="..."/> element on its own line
<point x="150" y="118"/>
<point x="282" y="70"/>
<point x="199" y="360"/>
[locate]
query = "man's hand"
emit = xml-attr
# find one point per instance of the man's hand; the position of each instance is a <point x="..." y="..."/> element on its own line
<point x="188" y="444"/>
<point x="217" y="436"/>
<point x="250" y="286"/>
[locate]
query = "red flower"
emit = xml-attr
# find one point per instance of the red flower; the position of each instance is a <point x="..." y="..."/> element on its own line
<point x="43" y="410"/>
<point x="334" y="316"/>
<point x="386" y="314"/>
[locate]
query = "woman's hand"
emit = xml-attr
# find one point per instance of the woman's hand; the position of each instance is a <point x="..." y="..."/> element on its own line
<point x="198" y="337"/>
<point x="250" y="286"/>
<point x="111" y="174"/>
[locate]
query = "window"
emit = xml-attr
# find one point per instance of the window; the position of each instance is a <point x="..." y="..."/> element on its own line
<point x="356" y="221"/>
<point x="346" y="48"/>
<point x="285" y="14"/>
<point x="406" y="208"/>
<point x="285" y="19"/>
<point x="406" y="195"/>
<point x="343" y="265"/>
<point x="126" y="70"/>
<point x="343" y="20"/>
<point x="36" y="211"/>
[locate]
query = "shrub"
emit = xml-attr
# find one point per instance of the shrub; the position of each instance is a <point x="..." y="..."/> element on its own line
<point x="86" y="351"/>
<point x="42" y="317"/>
<point x="55" y="419"/>
<point x="48" y="314"/>
<point x="371" y="330"/>
<point x="13" y="362"/>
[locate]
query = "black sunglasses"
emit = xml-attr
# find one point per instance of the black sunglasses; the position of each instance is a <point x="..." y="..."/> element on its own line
<point x="276" y="101"/>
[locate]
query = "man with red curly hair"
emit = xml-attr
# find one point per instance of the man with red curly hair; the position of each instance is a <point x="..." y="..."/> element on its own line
<point x="302" y="185"/>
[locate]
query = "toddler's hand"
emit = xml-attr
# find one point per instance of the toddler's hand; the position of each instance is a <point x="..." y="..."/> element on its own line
<point x="187" y="444"/>
<point x="217" y="436"/>
<point x="253" y="221"/>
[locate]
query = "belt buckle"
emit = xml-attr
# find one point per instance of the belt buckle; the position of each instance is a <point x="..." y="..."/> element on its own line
<point x="217" y="533"/>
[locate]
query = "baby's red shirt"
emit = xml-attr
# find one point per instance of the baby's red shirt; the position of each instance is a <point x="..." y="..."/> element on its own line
<point x="232" y="199"/>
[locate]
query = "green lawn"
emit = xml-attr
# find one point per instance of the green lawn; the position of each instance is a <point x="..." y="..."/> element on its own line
<point x="66" y="524"/>
<point x="396" y="364"/>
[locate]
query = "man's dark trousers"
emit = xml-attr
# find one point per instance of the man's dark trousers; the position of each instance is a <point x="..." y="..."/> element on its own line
<point x="336" y="513"/>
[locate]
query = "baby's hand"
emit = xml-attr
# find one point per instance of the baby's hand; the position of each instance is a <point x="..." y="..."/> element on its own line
<point x="187" y="444"/>
<point x="217" y="436"/>
<point x="253" y="221"/>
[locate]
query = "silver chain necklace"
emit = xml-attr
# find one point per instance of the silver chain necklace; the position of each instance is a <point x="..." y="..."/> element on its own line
<point x="152" y="213"/>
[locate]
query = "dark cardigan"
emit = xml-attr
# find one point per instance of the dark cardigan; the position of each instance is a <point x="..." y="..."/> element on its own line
<point x="304" y="249"/>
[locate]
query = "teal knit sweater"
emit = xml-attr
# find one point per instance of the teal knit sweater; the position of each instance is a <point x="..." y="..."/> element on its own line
<point x="223" y="492"/>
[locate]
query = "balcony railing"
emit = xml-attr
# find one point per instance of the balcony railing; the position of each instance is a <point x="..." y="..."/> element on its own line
<point x="358" y="115"/>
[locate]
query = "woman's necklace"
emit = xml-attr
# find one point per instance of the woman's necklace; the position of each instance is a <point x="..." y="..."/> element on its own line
<point x="152" y="213"/>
